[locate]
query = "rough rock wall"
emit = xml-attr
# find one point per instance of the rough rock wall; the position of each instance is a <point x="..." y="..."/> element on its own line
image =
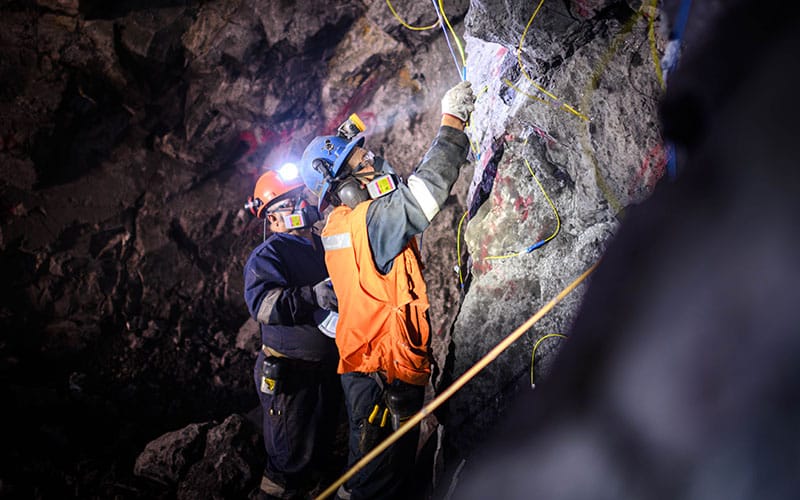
<point x="133" y="132"/>
<point x="680" y="379"/>
<point x="566" y="137"/>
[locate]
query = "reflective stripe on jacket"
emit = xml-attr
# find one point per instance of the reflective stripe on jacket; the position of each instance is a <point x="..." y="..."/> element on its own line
<point x="278" y="280"/>
<point x="383" y="323"/>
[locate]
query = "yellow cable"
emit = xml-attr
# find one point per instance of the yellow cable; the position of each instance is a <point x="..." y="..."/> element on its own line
<point x="563" y="105"/>
<point x="501" y="257"/>
<point x="527" y="76"/>
<point x="552" y="205"/>
<point x="536" y="345"/>
<point x="458" y="248"/>
<point x="457" y="384"/>
<point x="406" y="25"/>
<point x="651" y="32"/>
<point x="458" y="42"/>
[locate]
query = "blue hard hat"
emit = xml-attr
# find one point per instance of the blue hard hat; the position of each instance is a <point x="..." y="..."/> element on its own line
<point x="323" y="160"/>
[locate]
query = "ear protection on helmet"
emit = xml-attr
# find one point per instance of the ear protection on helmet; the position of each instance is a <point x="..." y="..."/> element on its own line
<point x="349" y="192"/>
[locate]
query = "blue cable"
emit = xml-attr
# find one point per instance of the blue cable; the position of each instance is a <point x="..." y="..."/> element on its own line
<point x="680" y="22"/>
<point x="462" y="72"/>
<point x="675" y="35"/>
<point x="534" y="246"/>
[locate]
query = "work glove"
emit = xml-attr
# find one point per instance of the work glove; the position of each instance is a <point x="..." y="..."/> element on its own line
<point x="325" y="296"/>
<point x="459" y="101"/>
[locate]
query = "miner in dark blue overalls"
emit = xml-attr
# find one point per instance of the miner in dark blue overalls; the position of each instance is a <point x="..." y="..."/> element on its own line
<point x="287" y="292"/>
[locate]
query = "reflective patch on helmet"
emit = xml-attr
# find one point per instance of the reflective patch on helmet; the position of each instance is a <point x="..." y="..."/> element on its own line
<point x="423" y="196"/>
<point x="336" y="241"/>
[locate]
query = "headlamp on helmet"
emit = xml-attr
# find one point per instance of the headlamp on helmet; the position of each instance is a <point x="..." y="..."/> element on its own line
<point x="288" y="172"/>
<point x="275" y="190"/>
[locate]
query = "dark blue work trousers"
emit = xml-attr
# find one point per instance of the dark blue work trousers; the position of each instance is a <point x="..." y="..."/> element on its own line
<point x="299" y="423"/>
<point x="387" y="476"/>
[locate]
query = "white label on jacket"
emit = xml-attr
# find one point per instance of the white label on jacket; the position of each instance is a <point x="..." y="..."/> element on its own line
<point x="336" y="241"/>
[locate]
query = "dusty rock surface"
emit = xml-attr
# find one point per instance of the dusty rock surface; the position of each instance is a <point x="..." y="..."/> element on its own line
<point x="133" y="132"/>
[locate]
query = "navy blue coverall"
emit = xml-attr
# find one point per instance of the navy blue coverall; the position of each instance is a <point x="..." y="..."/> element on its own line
<point x="300" y="418"/>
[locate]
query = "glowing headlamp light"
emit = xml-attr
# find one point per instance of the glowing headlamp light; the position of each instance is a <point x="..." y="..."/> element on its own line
<point x="288" y="172"/>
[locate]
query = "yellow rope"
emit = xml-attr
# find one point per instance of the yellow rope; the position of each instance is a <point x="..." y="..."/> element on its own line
<point x="528" y="77"/>
<point x="406" y="25"/>
<point x="457" y="384"/>
<point x="536" y="345"/>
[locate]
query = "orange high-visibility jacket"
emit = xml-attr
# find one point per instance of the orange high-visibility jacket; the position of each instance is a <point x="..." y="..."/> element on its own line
<point x="383" y="323"/>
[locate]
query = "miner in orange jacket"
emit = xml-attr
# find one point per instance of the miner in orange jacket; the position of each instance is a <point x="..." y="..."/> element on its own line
<point x="372" y="259"/>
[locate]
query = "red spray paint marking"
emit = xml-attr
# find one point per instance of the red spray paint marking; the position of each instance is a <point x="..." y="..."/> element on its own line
<point x="262" y="137"/>
<point x="485" y="161"/>
<point x="652" y="169"/>
<point x="586" y="8"/>
<point x="362" y="94"/>
<point x="499" y="55"/>
<point x="549" y="139"/>
<point x="522" y="206"/>
<point x="254" y="139"/>
<point x="482" y="265"/>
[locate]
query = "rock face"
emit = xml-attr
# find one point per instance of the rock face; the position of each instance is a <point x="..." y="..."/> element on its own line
<point x="205" y="459"/>
<point x="680" y="378"/>
<point x="133" y="132"/>
<point x="561" y="156"/>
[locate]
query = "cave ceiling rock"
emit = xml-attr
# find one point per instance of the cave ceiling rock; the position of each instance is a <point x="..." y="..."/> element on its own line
<point x="69" y="7"/>
<point x="261" y="75"/>
<point x="154" y="34"/>
<point x="307" y="25"/>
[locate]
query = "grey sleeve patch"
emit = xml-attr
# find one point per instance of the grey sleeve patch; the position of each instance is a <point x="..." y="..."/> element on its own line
<point x="267" y="312"/>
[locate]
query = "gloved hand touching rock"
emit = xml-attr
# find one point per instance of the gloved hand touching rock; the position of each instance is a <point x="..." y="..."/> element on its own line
<point x="459" y="101"/>
<point x="325" y="296"/>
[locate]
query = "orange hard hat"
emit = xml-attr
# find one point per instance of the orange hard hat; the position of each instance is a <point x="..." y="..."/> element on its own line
<point x="272" y="187"/>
